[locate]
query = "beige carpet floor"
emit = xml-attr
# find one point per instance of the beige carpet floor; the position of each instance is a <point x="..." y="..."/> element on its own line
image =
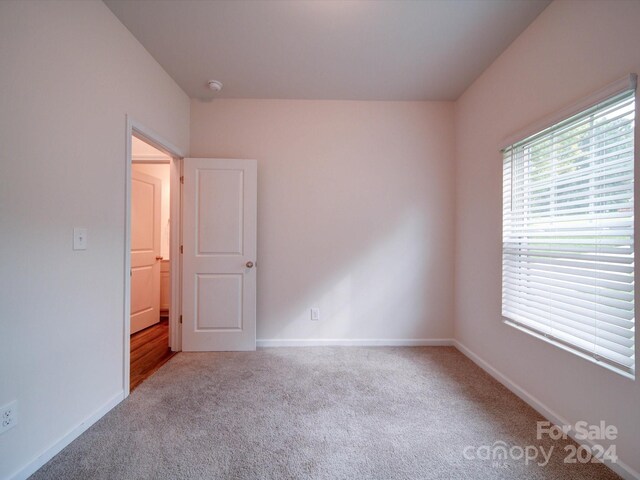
<point x="315" y="413"/>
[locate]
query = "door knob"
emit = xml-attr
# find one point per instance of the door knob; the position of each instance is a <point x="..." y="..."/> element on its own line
<point x="249" y="264"/>
<point x="158" y="258"/>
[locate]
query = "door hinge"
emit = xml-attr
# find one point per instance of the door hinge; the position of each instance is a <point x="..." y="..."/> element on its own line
<point x="180" y="318"/>
<point x="181" y="249"/>
<point x="181" y="178"/>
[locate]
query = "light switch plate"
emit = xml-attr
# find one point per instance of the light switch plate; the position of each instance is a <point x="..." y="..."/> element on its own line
<point x="79" y="238"/>
<point x="315" y="313"/>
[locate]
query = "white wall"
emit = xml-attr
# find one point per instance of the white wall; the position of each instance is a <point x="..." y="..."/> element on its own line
<point x="572" y="49"/>
<point x="355" y="212"/>
<point x="163" y="172"/>
<point x="70" y="73"/>
<point x="356" y="208"/>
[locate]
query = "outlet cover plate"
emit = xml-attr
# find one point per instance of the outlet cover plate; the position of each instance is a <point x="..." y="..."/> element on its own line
<point x="8" y="416"/>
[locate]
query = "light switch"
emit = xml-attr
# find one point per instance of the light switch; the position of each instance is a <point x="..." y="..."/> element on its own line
<point x="79" y="238"/>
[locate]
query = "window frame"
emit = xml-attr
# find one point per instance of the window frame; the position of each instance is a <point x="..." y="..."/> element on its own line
<point x="626" y="84"/>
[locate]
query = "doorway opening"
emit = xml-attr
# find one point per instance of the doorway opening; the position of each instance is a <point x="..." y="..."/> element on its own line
<point x="152" y="296"/>
<point x="150" y="260"/>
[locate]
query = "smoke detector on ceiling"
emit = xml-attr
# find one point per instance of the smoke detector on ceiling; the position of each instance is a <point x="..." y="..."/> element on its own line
<point x="215" y="85"/>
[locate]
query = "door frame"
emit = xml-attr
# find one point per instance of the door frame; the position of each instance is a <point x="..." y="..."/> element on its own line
<point x="134" y="128"/>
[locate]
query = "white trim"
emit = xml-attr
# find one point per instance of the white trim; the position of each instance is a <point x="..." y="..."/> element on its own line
<point x="153" y="139"/>
<point x="149" y="136"/>
<point x="348" y="342"/>
<point x="628" y="82"/>
<point x="126" y="340"/>
<point x="29" y="469"/>
<point x="621" y="468"/>
<point x="150" y="159"/>
<point x="175" y="268"/>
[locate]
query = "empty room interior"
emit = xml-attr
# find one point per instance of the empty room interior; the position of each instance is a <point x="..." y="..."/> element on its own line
<point x="318" y="239"/>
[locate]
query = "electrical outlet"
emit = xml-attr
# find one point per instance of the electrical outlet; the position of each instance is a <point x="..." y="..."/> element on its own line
<point x="315" y="313"/>
<point x="8" y="416"/>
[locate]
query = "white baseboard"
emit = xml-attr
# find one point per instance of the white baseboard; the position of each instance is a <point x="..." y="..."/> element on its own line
<point x="29" y="469"/>
<point x="621" y="468"/>
<point x="341" y="342"/>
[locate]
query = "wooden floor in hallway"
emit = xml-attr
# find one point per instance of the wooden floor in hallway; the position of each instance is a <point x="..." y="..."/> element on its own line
<point x="149" y="351"/>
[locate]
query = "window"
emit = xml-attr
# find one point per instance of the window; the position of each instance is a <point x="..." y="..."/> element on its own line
<point x="568" y="238"/>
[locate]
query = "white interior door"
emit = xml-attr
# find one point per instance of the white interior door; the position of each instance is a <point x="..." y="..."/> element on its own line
<point x="219" y="254"/>
<point x="145" y="250"/>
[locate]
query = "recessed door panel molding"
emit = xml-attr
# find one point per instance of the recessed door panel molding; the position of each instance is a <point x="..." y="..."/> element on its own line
<point x="142" y="214"/>
<point x="220" y="198"/>
<point x="219" y="254"/>
<point x="145" y="250"/>
<point x="142" y="284"/>
<point x="219" y="302"/>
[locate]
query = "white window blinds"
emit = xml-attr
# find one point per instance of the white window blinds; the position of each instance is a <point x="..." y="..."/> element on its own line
<point x="568" y="252"/>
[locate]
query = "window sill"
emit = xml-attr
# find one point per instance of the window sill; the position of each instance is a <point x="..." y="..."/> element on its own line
<point x="573" y="351"/>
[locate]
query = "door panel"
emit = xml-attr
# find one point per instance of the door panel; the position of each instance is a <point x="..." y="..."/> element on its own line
<point x="220" y="212"/>
<point x="219" y="238"/>
<point x="219" y="300"/>
<point x="145" y="248"/>
<point x="142" y="218"/>
<point x="141" y="281"/>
